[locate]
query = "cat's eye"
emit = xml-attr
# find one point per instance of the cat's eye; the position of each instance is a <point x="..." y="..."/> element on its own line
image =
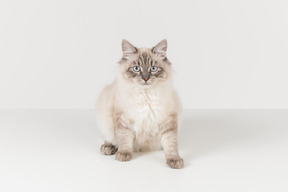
<point x="154" y="69"/>
<point x="136" y="68"/>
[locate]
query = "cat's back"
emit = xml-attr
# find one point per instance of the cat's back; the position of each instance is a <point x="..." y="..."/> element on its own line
<point x="105" y="98"/>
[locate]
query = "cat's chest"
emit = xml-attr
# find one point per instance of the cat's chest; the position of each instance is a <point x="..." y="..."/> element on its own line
<point x="146" y="104"/>
<point x="146" y="110"/>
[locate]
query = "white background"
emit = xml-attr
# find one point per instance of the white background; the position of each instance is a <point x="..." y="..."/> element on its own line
<point x="226" y="54"/>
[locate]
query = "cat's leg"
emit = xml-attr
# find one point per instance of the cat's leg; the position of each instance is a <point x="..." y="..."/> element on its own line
<point x="106" y="126"/>
<point x="125" y="139"/>
<point x="169" y="140"/>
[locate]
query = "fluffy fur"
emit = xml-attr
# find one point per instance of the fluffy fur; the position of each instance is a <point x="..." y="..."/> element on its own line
<point x="140" y="110"/>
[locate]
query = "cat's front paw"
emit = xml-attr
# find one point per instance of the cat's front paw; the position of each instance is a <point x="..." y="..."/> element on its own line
<point x="123" y="156"/>
<point x="108" y="149"/>
<point x="175" y="163"/>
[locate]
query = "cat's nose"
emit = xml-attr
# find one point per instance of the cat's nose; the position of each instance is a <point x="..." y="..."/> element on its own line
<point x="145" y="79"/>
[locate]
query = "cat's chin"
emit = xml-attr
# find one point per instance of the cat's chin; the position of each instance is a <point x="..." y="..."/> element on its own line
<point x="146" y="84"/>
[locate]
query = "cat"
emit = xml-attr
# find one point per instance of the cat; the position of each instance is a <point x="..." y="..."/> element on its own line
<point x="140" y="110"/>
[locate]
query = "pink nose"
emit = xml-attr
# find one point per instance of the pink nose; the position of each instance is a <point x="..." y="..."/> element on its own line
<point x="145" y="78"/>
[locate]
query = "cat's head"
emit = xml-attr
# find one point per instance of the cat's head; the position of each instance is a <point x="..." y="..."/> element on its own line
<point x="145" y="66"/>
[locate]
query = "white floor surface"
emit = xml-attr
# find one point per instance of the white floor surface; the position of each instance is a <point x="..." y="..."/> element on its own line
<point x="223" y="150"/>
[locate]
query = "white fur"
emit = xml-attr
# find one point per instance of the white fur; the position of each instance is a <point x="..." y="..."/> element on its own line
<point x="146" y="107"/>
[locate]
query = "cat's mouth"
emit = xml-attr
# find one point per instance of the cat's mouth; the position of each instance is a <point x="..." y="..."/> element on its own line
<point x="146" y="83"/>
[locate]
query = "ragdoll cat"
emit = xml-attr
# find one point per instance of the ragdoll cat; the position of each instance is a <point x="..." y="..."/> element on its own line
<point x="140" y="110"/>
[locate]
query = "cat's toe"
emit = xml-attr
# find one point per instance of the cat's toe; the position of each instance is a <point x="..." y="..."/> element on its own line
<point x="123" y="156"/>
<point x="176" y="163"/>
<point x="108" y="149"/>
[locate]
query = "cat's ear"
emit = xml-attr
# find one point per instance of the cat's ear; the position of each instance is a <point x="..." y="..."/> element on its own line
<point x="128" y="49"/>
<point x="161" y="48"/>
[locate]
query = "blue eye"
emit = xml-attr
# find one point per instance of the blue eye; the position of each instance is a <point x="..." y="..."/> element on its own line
<point x="136" y="68"/>
<point x="154" y="69"/>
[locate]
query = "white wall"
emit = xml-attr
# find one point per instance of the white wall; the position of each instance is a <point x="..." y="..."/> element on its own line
<point x="226" y="54"/>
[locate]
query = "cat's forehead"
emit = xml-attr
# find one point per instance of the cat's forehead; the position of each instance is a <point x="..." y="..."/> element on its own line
<point x="144" y="52"/>
<point x="144" y="57"/>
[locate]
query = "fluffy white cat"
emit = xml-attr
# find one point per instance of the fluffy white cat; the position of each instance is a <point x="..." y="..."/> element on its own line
<point x="140" y="110"/>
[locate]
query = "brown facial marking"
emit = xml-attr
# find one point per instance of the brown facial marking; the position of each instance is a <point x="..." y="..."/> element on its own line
<point x="131" y="73"/>
<point x="159" y="73"/>
<point x="145" y="60"/>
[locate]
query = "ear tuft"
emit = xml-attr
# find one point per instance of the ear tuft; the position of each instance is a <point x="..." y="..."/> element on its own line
<point x="161" y="48"/>
<point x="128" y="49"/>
